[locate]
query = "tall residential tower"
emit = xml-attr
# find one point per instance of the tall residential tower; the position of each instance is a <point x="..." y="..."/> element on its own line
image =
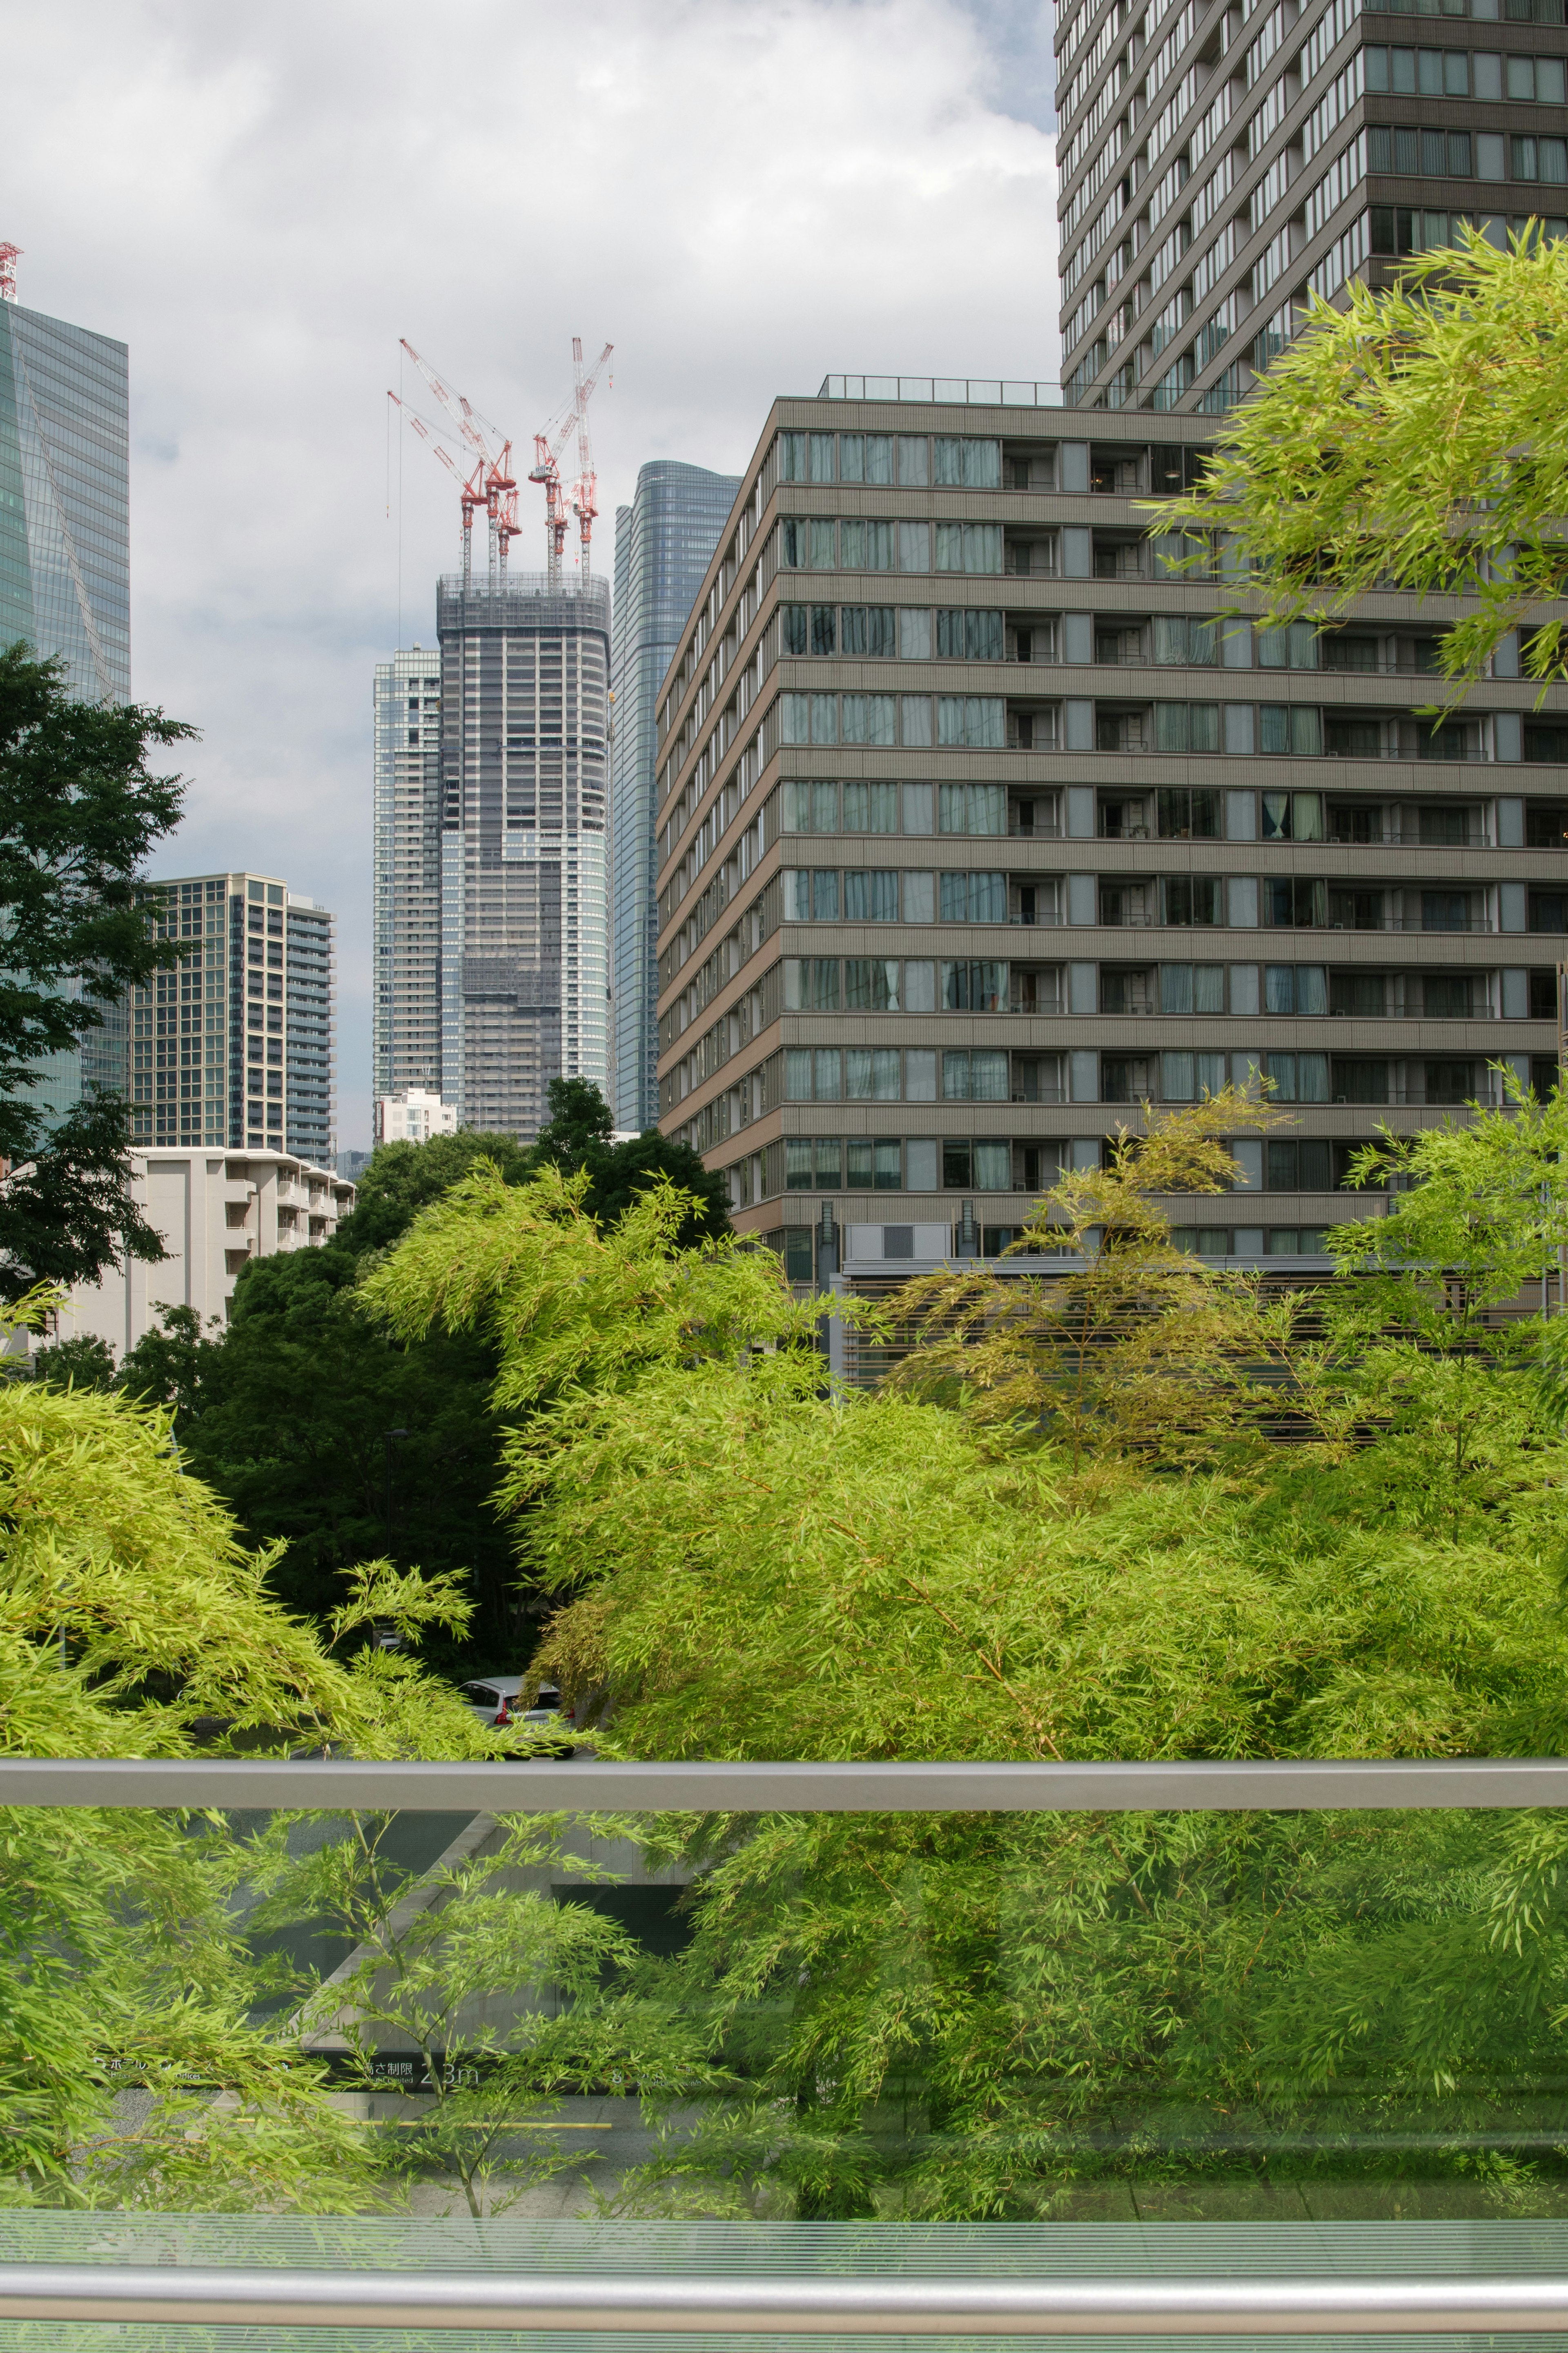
<point x="1219" y="164"/>
<point x="979" y="826"/>
<point x="663" y="543"/>
<point x="524" y="882"/>
<point x="406" y="1019"/>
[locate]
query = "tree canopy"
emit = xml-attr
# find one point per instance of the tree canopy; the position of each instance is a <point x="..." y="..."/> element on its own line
<point x="1414" y="439"/>
<point x="80" y="811"/>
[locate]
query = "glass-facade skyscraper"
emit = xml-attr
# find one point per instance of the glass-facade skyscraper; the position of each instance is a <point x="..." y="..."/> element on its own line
<point x="664" y="542"/>
<point x="65" y="558"/>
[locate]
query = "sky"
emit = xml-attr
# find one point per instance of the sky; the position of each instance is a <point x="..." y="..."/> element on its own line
<point x="742" y="196"/>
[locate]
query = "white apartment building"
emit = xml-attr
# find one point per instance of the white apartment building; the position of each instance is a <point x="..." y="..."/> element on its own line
<point x="413" y="1116"/>
<point x="215" y="1211"/>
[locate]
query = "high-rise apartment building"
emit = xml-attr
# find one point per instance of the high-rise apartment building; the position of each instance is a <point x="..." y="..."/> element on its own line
<point x="406" y="1023"/>
<point x="65" y="558"/>
<point x="664" y="541"/>
<point x="1220" y="164"/>
<point x="235" y="1046"/>
<point x="524" y="880"/>
<point x="978" y="827"/>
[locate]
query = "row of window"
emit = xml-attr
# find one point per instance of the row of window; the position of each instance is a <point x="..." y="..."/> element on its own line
<point x="883" y="632"/>
<point x="828" y="895"/>
<point x="1461" y="155"/>
<point x="1462" y="73"/>
<point x="977" y="722"/>
<point x="913" y="460"/>
<point x="1163" y="813"/>
<point x="986" y="984"/>
<point x="818" y="544"/>
<point x="990" y="1074"/>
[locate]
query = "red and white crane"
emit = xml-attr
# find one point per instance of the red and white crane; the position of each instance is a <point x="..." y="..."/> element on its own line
<point x="546" y="467"/>
<point x="9" y="257"/>
<point x="492" y="484"/>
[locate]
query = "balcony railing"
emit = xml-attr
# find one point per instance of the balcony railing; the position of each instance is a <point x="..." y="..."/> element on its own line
<point x="1220" y="2048"/>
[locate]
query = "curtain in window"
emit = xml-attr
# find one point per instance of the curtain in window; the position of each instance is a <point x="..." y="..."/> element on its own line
<point x="949" y="461"/>
<point x="871" y="1073"/>
<point x="792" y="458"/>
<point x="969" y="465"/>
<point x="955" y="898"/>
<point x="920" y="1073"/>
<point x="867" y="546"/>
<point x="1311" y="989"/>
<point x="982" y="636"/>
<point x="870" y="808"/>
<point x="992" y="1165"/>
<point x="852" y="457"/>
<point x="871" y="895"/>
<point x="955" y="1075"/>
<point x="1204" y="725"/>
<point x="824" y="719"/>
<point x="1173" y="730"/>
<point x="798" y="1157"/>
<point x="973" y="809"/>
<point x="829" y="1163"/>
<point x="988" y="1075"/>
<point x="871" y="984"/>
<point x="919" y="979"/>
<point x="975" y="987"/>
<point x="824" y="807"/>
<point x="826" y="1073"/>
<point x="795" y="719"/>
<point x="796" y="882"/>
<point x="1170" y="638"/>
<point x="1280" y="989"/>
<point x="824" y="895"/>
<point x="821" y="456"/>
<point x="1209" y="988"/>
<point x="879" y="642"/>
<point x="915" y="547"/>
<point x="969" y="547"/>
<point x="914" y="633"/>
<point x="823" y="544"/>
<point x="920" y="898"/>
<point x="824" y="628"/>
<point x="914" y="463"/>
<point x="1175" y="989"/>
<point x="1176" y="1077"/>
<point x="987" y="898"/>
<point x="1311" y="1078"/>
<point x="880" y="459"/>
<point x="914" y="717"/>
<point x="797" y="1074"/>
<point x="795" y="628"/>
<point x="1202" y="644"/>
<point x="820" y="976"/>
<point x="1307" y="816"/>
<point x="1211" y="1074"/>
<point x="869" y="719"/>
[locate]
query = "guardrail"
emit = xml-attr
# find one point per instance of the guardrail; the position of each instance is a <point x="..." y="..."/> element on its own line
<point x="588" y="1785"/>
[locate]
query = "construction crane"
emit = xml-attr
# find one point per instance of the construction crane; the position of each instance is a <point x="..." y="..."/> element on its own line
<point x="546" y="467"/>
<point x="490" y="485"/>
<point x="9" y="257"/>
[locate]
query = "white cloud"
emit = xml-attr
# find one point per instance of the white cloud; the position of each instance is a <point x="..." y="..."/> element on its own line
<point x="743" y="195"/>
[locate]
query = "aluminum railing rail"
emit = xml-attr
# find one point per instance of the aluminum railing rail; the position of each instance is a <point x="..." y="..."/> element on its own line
<point x="588" y="1785"/>
<point x="198" y="2294"/>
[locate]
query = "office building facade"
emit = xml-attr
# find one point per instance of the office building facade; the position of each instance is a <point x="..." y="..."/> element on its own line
<point x="664" y="541"/>
<point x="65" y="561"/>
<point x="413" y="1116"/>
<point x="235" y="1046"/>
<point x="1221" y="164"/>
<point x="406" y="1022"/>
<point x="524" y="872"/>
<point x="979" y="826"/>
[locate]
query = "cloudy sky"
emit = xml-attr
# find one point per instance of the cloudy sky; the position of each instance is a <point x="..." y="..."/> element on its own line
<point x="741" y="195"/>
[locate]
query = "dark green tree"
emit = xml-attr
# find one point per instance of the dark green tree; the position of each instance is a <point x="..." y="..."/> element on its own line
<point x="82" y="1361"/>
<point x="578" y="1137"/>
<point x="81" y="810"/>
<point x="404" y="1178"/>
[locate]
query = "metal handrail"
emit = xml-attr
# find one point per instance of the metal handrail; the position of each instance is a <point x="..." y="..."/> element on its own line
<point x="883" y="2306"/>
<point x="588" y="1784"/>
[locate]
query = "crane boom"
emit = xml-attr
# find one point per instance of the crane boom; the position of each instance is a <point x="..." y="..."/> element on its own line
<point x="546" y="467"/>
<point x="492" y="484"/>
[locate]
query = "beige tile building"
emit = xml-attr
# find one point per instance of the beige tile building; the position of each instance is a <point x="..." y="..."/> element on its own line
<point x="977" y="826"/>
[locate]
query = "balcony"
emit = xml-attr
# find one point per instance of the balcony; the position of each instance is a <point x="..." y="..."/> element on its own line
<point x="1151" y="2049"/>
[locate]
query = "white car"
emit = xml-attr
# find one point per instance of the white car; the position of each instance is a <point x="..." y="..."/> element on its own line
<point x="493" y="1697"/>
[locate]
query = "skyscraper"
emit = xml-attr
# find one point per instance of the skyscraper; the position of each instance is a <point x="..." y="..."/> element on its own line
<point x="65" y="560"/>
<point x="406" y="1023"/>
<point x="663" y="543"/>
<point x="1219" y="164"/>
<point x="524" y="881"/>
<point x="980" y="826"/>
<point x="236" y="1045"/>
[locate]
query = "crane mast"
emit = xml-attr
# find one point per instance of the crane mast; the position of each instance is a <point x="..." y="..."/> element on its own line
<point x="548" y="444"/>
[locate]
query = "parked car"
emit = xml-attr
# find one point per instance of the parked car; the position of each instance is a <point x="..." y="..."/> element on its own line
<point x="493" y="1699"/>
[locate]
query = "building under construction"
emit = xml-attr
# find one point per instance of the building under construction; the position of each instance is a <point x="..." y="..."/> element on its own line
<point x="519" y="792"/>
<point x="524" y="887"/>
